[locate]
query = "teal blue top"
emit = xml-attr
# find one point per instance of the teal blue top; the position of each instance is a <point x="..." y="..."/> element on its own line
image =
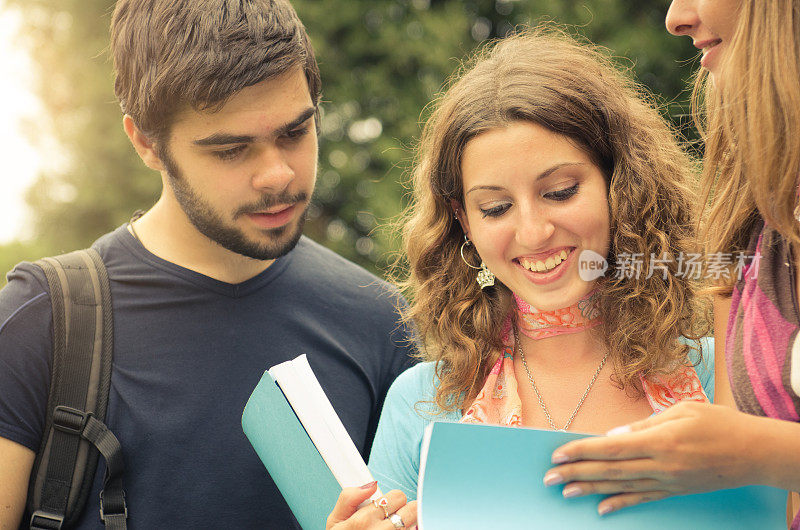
<point x="409" y="407"/>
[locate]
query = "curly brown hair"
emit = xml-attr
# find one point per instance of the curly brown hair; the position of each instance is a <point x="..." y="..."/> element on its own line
<point x="547" y="77"/>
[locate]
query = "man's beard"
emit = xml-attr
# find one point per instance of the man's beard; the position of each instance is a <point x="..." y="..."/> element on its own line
<point x="277" y="241"/>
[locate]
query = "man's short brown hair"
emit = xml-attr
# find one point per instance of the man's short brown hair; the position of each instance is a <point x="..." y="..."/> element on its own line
<point x="172" y="53"/>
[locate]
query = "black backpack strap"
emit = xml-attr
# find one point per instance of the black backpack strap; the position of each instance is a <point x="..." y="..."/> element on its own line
<point x="74" y="432"/>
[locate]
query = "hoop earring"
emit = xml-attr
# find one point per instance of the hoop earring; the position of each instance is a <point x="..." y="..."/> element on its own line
<point x="485" y="277"/>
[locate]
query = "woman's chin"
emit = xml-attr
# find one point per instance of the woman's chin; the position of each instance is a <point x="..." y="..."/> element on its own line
<point x="559" y="299"/>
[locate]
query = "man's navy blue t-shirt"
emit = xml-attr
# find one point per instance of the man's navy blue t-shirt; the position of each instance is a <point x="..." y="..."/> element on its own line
<point x="188" y="350"/>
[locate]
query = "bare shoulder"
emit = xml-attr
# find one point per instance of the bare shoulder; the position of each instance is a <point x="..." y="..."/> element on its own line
<point x="16" y="462"/>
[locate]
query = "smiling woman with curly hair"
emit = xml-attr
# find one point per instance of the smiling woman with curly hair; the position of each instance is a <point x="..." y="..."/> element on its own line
<point x="545" y="80"/>
<point x="542" y="163"/>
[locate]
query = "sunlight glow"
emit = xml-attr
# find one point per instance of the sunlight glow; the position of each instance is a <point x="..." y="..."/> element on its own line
<point x="18" y="104"/>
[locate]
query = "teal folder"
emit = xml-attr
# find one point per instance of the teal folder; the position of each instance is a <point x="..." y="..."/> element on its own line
<point x="480" y="476"/>
<point x="293" y="462"/>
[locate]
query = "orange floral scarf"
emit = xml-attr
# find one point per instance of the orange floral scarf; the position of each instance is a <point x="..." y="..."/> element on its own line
<point x="543" y="324"/>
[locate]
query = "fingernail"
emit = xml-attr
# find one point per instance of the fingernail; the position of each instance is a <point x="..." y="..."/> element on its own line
<point x="602" y="510"/>
<point x="368" y="485"/>
<point x="551" y="479"/>
<point x="622" y="429"/>
<point x="559" y="458"/>
<point x="572" y="491"/>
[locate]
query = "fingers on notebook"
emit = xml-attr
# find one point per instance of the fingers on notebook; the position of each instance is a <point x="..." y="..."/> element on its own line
<point x="349" y="501"/>
<point x="347" y="515"/>
<point x="408" y="514"/>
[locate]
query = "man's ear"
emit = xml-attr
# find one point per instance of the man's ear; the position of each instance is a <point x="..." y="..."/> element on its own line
<point x="458" y="211"/>
<point x="143" y="145"/>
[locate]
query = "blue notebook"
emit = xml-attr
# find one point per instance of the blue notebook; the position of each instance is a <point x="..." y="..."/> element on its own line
<point x="293" y="462"/>
<point x="300" y="439"/>
<point x="456" y="456"/>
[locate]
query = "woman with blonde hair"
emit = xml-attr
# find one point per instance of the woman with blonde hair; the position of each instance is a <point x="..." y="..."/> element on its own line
<point x="541" y="168"/>
<point x="749" y="86"/>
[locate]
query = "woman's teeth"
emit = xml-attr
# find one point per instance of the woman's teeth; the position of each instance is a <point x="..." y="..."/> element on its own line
<point x="709" y="46"/>
<point x="543" y="266"/>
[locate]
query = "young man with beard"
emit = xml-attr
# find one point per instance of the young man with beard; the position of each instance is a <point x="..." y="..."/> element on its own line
<point x="214" y="283"/>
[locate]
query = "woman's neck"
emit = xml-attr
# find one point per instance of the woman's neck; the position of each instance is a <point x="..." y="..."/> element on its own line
<point x="564" y="352"/>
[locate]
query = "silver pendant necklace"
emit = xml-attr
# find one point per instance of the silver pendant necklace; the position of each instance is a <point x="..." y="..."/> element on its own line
<point x="539" y="396"/>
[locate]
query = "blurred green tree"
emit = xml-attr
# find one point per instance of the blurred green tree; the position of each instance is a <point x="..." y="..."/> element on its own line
<point x="382" y="62"/>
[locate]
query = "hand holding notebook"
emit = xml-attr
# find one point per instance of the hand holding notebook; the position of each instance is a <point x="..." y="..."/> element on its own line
<point x="311" y="458"/>
<point x="457" y="456"/>
<point x="302" y="442"/>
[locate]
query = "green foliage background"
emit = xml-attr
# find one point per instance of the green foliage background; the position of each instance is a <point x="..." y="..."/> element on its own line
<point x="382" y="62"/>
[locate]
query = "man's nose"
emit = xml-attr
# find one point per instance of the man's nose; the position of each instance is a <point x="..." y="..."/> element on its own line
<point x="273" y="172"/>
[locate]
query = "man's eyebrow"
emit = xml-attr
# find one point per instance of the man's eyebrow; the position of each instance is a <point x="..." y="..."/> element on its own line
<point x="222" y="138"/>
<point x="295" y="123"/>
<point x="546" y="173"/>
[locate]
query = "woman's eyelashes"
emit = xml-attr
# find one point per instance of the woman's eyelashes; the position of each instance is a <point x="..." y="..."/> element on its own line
<point x="496" y="210"/>
<point x="560" y="195"/>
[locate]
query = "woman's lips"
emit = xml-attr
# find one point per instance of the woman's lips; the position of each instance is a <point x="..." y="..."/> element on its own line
<point x="554" y="266"/>
<point x="709" y="53"/>
<point x="545" y="261"/>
